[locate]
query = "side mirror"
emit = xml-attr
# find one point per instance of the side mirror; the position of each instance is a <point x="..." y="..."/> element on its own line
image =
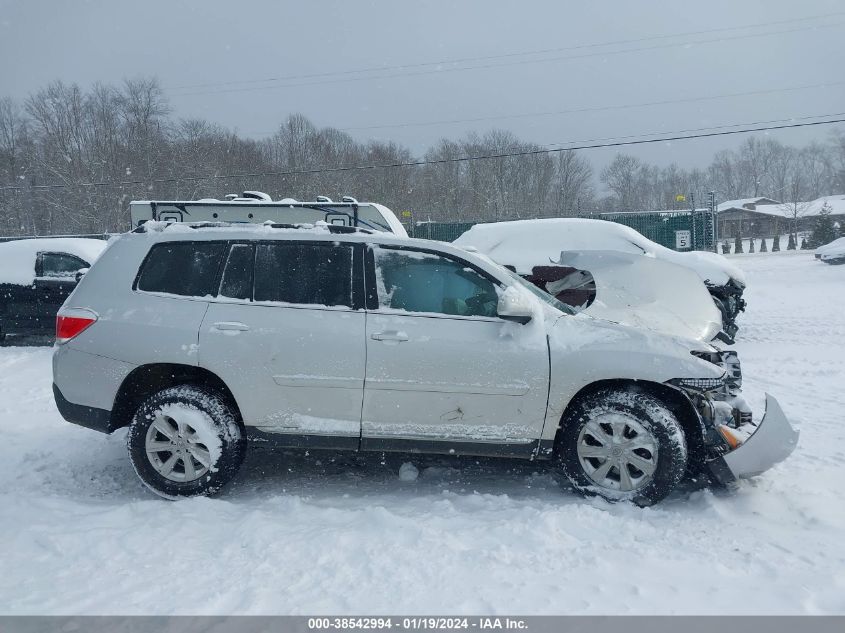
<point x="515" y="306"/>
<point x="80" y="274"/>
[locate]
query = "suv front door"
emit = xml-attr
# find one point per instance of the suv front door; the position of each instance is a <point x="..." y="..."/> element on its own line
<point x="285" y="335"/>
<point x="443" y="370"/>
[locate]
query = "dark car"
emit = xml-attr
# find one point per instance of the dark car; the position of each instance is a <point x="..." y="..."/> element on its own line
<point x="36" y="276"/>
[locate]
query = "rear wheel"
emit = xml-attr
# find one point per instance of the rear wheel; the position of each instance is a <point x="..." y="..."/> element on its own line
<point x="185" y="441"/>
<point x="623" y="445"/>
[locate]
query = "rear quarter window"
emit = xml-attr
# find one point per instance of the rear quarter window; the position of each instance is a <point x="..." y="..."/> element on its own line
<point x="182" y="268"/>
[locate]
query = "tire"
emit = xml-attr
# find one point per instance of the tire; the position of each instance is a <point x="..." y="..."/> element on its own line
<point x="650" y="438"/>
<point x="197" y="443"/>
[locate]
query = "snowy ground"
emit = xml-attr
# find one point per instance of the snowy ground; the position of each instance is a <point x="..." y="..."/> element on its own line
<point x="330" y="533"/>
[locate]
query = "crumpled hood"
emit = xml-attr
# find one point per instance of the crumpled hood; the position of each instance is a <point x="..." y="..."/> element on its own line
<point x="648" y="293"/>
<point x="605" y="350"/>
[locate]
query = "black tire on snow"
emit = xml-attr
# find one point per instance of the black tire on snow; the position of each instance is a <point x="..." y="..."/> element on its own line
<point x="221" y="419"/>
<point x="653" y="415"/>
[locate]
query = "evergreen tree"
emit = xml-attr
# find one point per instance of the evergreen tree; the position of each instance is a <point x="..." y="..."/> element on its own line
<point x="751" y="245"/>
<point x="824" y="232"/>
<point x="805" y="243"/>
<point x="726" y="248"/>
<point x="776" y="244"/>
<point x="791" y="246"/>
<point x="738" y="244"/>
<point x="763" y="247"/>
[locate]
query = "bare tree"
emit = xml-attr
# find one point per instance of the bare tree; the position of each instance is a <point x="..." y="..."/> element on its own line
<point x="111" y="144"/>
<point x="795" y="205"/>
<point x="16" y="150"/>
<point x="573" y="184"/>
<point x="623" y="177"/>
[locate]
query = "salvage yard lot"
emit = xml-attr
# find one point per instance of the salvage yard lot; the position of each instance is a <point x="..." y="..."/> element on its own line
<point x="331" y="533"/>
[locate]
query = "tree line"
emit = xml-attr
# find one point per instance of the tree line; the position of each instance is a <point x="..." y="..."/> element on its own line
<point x="126" y="133"/>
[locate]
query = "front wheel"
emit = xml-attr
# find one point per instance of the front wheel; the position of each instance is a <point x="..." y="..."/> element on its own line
<point x="623" y="445"/>
<point x="185" y="441"/>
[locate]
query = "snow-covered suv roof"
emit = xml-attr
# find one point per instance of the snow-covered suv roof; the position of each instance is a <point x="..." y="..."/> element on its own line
<point x="528" y="243"/>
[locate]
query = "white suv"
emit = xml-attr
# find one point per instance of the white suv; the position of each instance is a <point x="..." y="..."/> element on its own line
<point x="199" y="337"/>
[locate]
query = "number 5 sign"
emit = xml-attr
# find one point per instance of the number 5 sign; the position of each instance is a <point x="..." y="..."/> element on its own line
<point x="683" y="239"/>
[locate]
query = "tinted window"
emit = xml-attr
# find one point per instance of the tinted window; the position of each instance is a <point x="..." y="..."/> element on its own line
<point x="60" y="265"/>
<point x="188" y="269"/>
<point x="237" y="275"/>
<point x="318" y="273"/>
<point x="424" y="282"/>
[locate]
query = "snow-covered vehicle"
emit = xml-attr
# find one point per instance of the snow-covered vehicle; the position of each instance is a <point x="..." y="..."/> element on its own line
<point x="36" y="276"/>
<point x="257" y="207"/>
<point x="832" y="253"/>
<point x="198" y="337"/>
<point x="545" y="251"/>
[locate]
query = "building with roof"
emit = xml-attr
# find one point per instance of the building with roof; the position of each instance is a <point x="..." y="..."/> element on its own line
<point x="765" y="217"/>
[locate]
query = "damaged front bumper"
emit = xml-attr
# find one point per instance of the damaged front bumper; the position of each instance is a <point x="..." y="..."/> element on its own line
<point x="773" y="441"/>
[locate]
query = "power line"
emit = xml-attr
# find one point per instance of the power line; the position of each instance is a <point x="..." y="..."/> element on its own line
<point x="545" y="51"/>
<point x="695" y="129"/>
<point x="503" y="64"/>
<point x="418" y="163"/>
<point x="594" y="108"/>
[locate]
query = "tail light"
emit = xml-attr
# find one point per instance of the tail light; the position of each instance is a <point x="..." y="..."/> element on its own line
<point x="71" y="323"/>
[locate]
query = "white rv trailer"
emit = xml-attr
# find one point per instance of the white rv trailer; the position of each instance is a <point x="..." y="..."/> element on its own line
<point x="258" y="207"/>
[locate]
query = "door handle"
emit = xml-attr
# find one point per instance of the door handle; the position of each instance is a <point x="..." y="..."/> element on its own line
<point x="231" y="326"/>
<point x="389" y="336"/>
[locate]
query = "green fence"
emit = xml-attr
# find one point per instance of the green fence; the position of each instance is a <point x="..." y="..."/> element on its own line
<point x="442" y="231"/>
<point x="678" y="230"/>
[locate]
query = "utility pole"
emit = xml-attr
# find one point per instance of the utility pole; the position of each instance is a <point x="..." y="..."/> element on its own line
<point x="692" y="218"/>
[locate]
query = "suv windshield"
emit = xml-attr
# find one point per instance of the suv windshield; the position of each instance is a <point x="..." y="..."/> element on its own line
<point x="544" y="296"/>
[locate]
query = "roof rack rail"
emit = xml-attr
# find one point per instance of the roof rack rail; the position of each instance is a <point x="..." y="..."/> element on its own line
<point x="147" y="227"/>
<point x="332" y="228"/>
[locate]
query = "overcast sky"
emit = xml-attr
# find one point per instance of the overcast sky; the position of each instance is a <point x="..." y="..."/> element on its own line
<point x="231" y="48"/>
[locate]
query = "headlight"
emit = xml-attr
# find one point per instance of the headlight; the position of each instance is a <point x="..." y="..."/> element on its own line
<point x="714" y="356"/>
<point x="700" y="384"/>
<point x="727" y="360"/>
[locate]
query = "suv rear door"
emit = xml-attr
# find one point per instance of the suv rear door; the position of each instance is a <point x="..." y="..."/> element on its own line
<point x="286" y="334"/>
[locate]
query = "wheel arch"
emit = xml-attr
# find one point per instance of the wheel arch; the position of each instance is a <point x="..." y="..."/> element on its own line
<point x="677" y="401"/>
<point x="146" y="380"/>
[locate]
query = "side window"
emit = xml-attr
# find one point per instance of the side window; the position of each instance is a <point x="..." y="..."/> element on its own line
<point x="237" y="275"/>
<point x="317" y="273"/>
<point x="182" y="268"/>
<point x="60" y="265"/>
<point x="423" y="282"/>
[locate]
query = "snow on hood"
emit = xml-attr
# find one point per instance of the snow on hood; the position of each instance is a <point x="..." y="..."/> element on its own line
<point x="648" y="293"/>
<point x="528" y="243"/>
<point x="17" y="258"/>
<point x="836" y="248"/>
